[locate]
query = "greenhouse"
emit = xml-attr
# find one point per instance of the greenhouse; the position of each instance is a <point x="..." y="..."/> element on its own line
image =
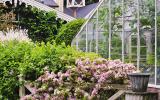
<point x="80" y="49"/>
<point x="126" y="30"/>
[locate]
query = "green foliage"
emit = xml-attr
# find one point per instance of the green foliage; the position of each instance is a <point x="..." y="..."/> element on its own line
<point x="41" y="25"/>
<point x="150" y="59"/>
<point x="29" y="60"/>
<point x="117" y="11"/>
<point x="91" y="1"/>
<point x="145" y="21"/>
<point x="68" y="31"/>
<point x="11" y="56"/>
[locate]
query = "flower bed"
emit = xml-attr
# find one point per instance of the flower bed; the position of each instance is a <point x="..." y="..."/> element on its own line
<point x="82" y="82"/>
<point x="28" y="59"/>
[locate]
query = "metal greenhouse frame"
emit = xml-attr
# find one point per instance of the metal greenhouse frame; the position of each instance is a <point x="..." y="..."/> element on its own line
<point x="126" y="30"/>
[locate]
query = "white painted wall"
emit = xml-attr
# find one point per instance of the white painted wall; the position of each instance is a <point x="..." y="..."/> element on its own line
<point x="60" y="4"/>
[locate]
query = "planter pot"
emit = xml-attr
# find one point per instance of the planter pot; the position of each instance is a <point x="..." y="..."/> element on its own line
<point x="139" y="81"/>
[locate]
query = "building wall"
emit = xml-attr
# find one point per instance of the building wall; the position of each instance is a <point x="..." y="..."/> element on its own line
<point x="61" y="5"/>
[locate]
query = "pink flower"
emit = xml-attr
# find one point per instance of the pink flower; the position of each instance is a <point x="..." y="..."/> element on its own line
<point x="94" y="92"/>
<point x="67" y="74"/>
<point x="79" y="79"/>
<point x="98" y="86"/>
<point x="102" y="79"/>
<point x="46" y="96"/>
<point x="87" y="61"/>
<point x="59" y="74"/>
<point x="97" y="72"/>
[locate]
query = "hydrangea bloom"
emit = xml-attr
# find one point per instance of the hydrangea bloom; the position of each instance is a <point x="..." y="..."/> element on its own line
<point x="85" y="80"/>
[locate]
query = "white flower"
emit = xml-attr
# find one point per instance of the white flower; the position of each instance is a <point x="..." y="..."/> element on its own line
<point x="18" y="35"/>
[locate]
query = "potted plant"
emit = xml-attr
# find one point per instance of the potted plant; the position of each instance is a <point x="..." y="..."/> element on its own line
<point x="139" y="81"/>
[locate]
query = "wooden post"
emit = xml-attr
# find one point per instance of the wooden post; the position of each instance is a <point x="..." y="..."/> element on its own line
<point x="117" y="95"/>
<point x="21" y="88"/>
<point x="141" y="95"/>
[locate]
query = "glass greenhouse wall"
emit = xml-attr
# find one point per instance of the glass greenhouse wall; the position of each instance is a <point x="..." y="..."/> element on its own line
<point x="125" y="29"/>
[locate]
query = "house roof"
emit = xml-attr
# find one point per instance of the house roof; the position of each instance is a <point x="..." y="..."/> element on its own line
<point x="47" y="8"/>
<point x="50" y="3"/>
<point x="81" y="12"/>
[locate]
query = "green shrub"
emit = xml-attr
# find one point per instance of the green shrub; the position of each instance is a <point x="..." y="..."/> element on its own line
<point x="56" y="57"/>
<point x="41" y="25"/>
<point x="68" y="31"/>
<point x="11" y="56"/>
<point x="29" y="60"/>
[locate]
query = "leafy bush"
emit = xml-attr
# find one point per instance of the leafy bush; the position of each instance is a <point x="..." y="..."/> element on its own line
<point x="41" y="25"/>
<point x="56" y="57"/>
<point x="82" y="82"/>
<point x="11" y="56"/>
<point x="68" y="31"/>
<point x="29" y="59"/>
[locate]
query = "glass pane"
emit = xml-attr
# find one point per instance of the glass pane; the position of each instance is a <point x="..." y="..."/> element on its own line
<point x="147" y="34"/>
<point x="130" y="31"/>
<point x="82" y="40"/>
<point x="91" y="36"/>
<point x="96" y="28"/>
<point x="103" y="30"/>
<point x="116" y="36"/>
<point x="158" y="43"/>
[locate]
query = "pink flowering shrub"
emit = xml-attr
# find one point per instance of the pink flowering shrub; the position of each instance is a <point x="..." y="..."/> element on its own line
<point x="81" y="82"/>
